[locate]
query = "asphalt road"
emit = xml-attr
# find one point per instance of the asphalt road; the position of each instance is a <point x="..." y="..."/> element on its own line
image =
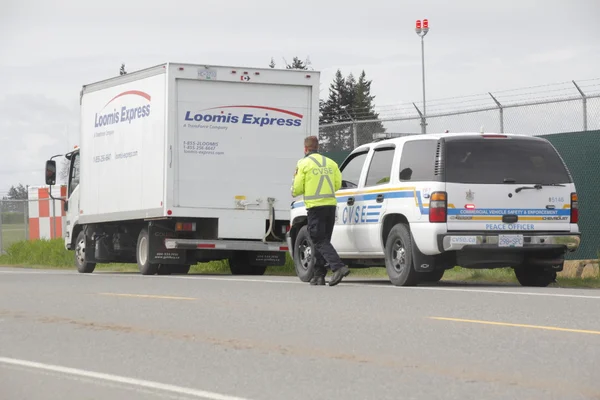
<point x="64" y="335"/>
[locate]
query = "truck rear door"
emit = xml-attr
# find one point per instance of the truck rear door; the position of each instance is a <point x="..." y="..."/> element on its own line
<point x="239" y="142"/>
<point x="506" y="183"/>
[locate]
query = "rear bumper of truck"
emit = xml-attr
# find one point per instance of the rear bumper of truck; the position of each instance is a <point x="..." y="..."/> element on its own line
<point x="527" y="241"/>
<point x="196" y="244"/>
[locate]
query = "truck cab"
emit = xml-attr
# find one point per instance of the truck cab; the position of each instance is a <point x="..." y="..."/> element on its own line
<point x="421" y="205"/>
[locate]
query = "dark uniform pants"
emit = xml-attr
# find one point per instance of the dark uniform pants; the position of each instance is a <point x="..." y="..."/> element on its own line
<point x="321" y="220"/>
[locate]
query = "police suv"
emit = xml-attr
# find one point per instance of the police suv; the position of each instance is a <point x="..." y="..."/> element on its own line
<point x="423" y="204"/>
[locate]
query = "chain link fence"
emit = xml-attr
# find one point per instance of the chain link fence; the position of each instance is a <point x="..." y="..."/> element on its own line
<point x="29" y="219"/>
<point x="567" y="114"/>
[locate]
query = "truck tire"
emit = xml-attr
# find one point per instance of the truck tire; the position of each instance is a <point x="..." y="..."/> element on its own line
<point x="398" y="257"/>
<point x="304" y="262"/>
<point x="239" y="265"/>
<point x="537" y="277"/>
<point x="82" y="266"/>
<point x="143" y="251"/>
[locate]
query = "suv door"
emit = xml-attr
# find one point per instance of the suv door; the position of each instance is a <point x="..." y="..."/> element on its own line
<point x="506" y="183"/>
<point x="371" y="203"/>
<point x="352" y="171"/>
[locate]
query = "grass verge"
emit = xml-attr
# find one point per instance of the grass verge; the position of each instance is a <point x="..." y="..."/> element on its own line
<point x="51" y="254"/>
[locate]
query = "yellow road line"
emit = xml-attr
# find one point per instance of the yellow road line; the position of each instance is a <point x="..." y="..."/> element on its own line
<point x="149" y="296"/>
<point x="549" y="328"/>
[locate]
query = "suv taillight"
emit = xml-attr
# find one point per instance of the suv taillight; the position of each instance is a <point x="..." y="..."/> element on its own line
<point x="438" y="207"/>
<point x="574" y="208"/>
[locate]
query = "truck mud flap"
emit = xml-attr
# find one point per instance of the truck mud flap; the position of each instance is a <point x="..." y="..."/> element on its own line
<point x="158" y="252"/>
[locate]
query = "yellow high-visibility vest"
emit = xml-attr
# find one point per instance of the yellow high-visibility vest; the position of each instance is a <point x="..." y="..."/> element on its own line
<point x="317" y="178"/>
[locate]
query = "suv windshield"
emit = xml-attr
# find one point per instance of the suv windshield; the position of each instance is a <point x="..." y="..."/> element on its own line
<point x="491" y="161"/>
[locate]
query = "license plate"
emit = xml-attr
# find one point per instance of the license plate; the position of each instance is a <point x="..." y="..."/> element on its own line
<point x="510" y="241"/>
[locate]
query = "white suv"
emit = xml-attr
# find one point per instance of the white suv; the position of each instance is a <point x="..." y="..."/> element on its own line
<point x="422" y="204"/>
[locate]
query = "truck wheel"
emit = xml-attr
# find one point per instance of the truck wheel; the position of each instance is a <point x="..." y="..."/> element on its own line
<point x="238" y="265"/>
<point x="304" y="262"/>
<point x="431" y="277"/>
<point x="82" y="266"/>
<point x="398" y="257"/>
<point x="143" y="251"/>
<point x="534" y="276"/>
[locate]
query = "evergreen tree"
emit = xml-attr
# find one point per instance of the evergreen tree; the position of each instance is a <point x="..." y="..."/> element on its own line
<point x="333" y="110"/>
<point x="350" y="100"/>
<point x="296" y="64"/>
<point x="122" y="70"/>
<point x="18" y="192"/>
<point x="363" y="110"/>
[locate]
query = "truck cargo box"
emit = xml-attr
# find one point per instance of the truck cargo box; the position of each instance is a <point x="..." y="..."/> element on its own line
<point x="195" y="141"/>
<point x="182" y="163"/>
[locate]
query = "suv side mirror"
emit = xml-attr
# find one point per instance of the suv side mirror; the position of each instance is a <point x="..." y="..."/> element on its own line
<point x="50" y="172"/>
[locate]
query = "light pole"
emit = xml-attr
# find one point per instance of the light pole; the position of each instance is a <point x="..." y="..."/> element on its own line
<point x="422" y="31"/>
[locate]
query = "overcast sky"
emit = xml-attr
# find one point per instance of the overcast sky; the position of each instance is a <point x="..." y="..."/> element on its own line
<point x="48" y="50"/>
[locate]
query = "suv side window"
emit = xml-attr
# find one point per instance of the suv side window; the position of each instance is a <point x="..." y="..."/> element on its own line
<point x="351" y="170"/>
<point x="380" y="170"/>
<point x="418" y="161"/>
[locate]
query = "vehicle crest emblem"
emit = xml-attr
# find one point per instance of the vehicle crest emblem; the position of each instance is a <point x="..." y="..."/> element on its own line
<point x="470" y="195"/>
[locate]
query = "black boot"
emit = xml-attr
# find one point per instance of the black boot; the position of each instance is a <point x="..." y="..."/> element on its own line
<point x="319" y="276"/>
<point x="338" y="275"/>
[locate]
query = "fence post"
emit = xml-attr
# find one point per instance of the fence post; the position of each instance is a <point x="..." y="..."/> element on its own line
<point x="354" y="134"/>
<point x="584" y="100"/>
<point x="423" y="122"/>
<point x="501" y="110"/>
<point x="26" y="218"/>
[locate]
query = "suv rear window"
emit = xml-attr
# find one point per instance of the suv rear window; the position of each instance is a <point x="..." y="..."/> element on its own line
<point x="492" y="161"/>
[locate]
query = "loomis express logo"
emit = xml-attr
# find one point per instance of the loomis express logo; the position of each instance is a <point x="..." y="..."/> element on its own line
<point x="276" y="117"/>
<point x="124" y="113"/>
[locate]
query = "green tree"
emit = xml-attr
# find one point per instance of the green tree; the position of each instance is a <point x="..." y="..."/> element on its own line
<point x="17" y="196"/>
<point x="297" y="63"/>
<point x="122" y="70"/>
<point x="334" y="111"/>
<point x="362" y="109"/>
<point x="349" y="102"/>
<point x="18" y="192"/>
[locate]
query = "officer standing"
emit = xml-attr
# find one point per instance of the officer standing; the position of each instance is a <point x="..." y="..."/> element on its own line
<point x="318" y="178"/>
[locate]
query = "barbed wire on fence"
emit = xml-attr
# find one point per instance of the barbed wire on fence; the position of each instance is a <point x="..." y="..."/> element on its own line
<point x="554" y="108"/>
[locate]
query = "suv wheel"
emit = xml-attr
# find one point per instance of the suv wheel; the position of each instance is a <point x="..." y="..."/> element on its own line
<point x="532" y="276"/>
<point x="398" y="257"/>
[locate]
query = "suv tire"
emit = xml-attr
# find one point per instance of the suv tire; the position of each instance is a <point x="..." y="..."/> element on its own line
<point x="398" y="257"/>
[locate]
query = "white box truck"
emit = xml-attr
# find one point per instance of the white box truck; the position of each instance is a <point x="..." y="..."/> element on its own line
<point x="180" y="164"/>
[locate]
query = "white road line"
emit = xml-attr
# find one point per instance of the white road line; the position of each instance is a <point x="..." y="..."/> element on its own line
<point x="515" y="292"/>
<point x="576" y="296"/>
<point x="120" y="379"/>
